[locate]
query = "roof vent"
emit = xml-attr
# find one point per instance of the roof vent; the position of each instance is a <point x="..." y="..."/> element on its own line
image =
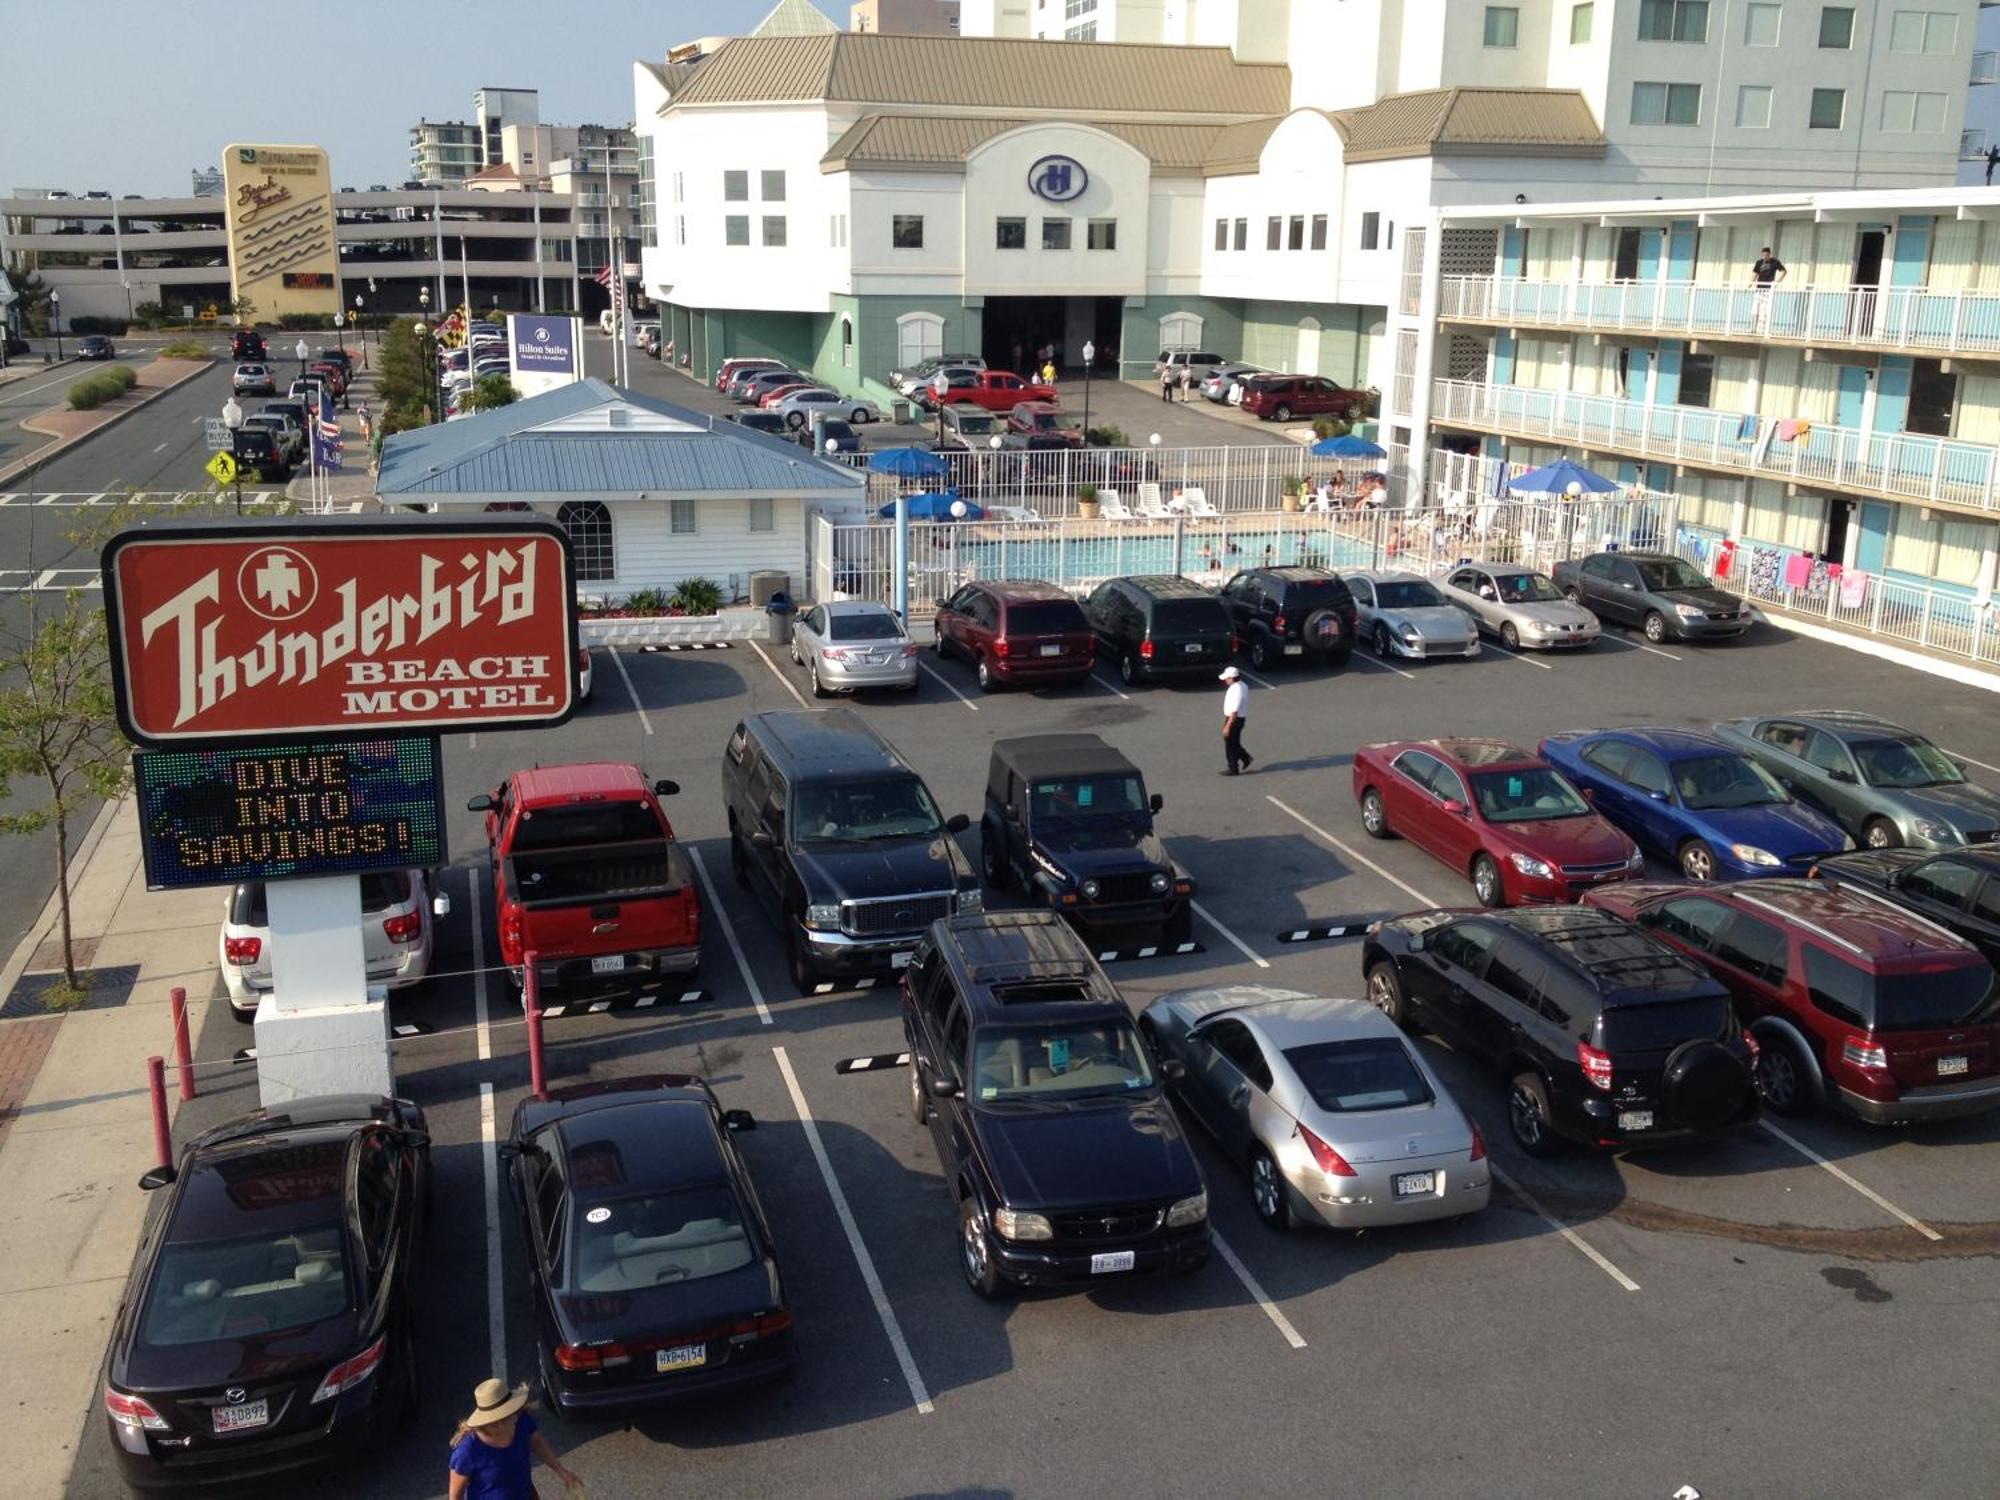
<point x="617" y="416"/>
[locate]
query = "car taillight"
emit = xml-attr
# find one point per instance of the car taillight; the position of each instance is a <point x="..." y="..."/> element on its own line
<point x="592" y="1356"/>
<point x="242" y="951"/>
<point x="1003" y="647"/>
<point x="1278" y="624"/>
<point x="511" y="935"/>
<point x="1478" y="1143"/>
<point x="406" y="928"/>
<point x="1596" y="1066"/>
<point x="1235" y="645"/>
<point x="1330" y="1161"/>
<point x="1861" y="1052"/>
<point x="833" y="653"/>
<point x="910" y="648"/>
<point x="133" y="1411"/>
<point x="1146" y="650"/>
<point x="349" y="1373"/>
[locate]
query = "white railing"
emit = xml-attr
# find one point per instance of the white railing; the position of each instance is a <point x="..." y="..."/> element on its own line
<point x="1985" y="67"/>
<point x="1898" y="318"/>
<point x="1971" y="145"/>
<point x="1899" y="465"/>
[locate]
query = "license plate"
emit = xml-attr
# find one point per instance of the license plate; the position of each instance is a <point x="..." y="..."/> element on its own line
<point x="1111" y="1260"/>
<point x="1635" y="1119"/>
<point x="900" y="960"/>
<point x="1950" y="1065"/>
<point x="615" y="964"/>
<point x="1052" y="650"/>
<point x="243" y="1416"/>
<point x="1416" y="1184"/>
<point x="680" y="1357"/>
<point x="1193" y="648"/>
<point x="1295" y="650"/>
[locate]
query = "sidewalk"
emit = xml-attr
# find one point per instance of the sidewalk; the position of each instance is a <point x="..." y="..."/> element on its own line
<point x="350" y="491"/>
<point x="77" y="1140"/>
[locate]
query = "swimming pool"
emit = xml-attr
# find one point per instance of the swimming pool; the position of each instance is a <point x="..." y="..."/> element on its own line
<point x="1074" y="560"/>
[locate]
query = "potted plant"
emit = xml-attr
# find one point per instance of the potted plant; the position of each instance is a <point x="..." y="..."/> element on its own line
<point x="1086" y="501"/>
<point x="1293" y="488"/>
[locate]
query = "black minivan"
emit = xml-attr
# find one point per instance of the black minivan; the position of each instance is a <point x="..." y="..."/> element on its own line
<point x="842" y="840"/>
<point x="1160" y="628"/>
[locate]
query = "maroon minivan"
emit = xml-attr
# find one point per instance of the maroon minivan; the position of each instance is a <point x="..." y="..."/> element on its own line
<point x="1016" y="633"/>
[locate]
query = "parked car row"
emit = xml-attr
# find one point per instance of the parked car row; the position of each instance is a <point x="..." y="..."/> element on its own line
<point x="794" y="397"/>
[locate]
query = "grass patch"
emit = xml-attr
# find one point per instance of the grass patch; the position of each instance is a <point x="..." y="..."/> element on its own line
<point x="185" y="349"/>
<point x="60" y="999"/>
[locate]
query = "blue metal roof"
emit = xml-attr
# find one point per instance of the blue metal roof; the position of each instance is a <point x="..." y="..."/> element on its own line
<point x="510" y="452"/>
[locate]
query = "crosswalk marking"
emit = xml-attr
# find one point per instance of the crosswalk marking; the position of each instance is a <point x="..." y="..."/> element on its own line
<point x="83" y="500"/>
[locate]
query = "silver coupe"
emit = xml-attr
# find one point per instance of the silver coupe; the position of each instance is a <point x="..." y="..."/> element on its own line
<point x="1403" y="614"/>
<point x="853" y="644"/>
<point x="1524" y="608"/>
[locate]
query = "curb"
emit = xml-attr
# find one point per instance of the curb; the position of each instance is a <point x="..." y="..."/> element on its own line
<point x="37" y="460"/>
<point x="80" y="861"/>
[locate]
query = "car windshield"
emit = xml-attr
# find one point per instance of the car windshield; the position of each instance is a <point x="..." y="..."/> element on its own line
<point x="1058" y="1062"/>
<point x="1407" y="593"/>
<point x="1525" y="795"/>
<point x="261" y="1284"/>
<point x="1526" y="588"/>
<point x="1086" y="797"/>
<point x="1907" y="761"/>
<point x="584" y="823"/>
<point x="864" y="625"/>
<point x="650" y="1239"/>
<point x="1721" y="781"/>
<point x="892" y="807"/>
<point x="1352" y="1077"/>
<point x="1944" y="993"/>
<point x="1669" y="573"/>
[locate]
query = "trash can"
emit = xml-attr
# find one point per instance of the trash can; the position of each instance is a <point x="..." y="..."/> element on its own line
<point x="767" y="583"/>
<point x="899" y="412"/>
<point x="779" y="611"/>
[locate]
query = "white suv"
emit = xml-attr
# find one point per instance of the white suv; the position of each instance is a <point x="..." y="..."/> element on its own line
<point x="397" y="909"/>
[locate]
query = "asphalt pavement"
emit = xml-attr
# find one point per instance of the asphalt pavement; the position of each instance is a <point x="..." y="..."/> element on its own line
<point x="1794" y="1311"/>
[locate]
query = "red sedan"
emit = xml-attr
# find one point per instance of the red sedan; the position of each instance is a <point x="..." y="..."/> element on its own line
<point x="1495" y="812"/>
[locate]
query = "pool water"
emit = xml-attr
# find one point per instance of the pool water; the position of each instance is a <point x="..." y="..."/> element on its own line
<point x="1075" y="559"/>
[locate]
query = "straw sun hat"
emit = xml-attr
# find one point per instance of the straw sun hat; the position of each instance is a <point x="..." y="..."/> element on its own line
<point x="493" y="1402"/>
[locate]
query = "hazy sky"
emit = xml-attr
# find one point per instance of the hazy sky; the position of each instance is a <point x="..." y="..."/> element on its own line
<point x="130" y="95"/>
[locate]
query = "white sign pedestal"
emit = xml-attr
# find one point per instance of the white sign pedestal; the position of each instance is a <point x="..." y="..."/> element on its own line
<point x="318" y="1032"/>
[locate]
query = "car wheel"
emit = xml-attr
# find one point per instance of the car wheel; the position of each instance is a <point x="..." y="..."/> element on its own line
<point x="1128" y="669"/>
<point x="991" y="865"/>
<point x="1697" y="860"/>
<point x="860" y="416"/>
<point x="795" y="420"/>
<point x="812" y="676"/>
<point x="1528" y="1115"/>
<point x="1282" y="414"/>
<point x="920" y="1106"/>
<point x="986" y="683"/>
<point x="1267" y="1192"/>
<point x="805" y="974"/>
<point x="1656" y="627"/>
<point x="1385" y="993"/>
<point x="797" y="660"/>
<point x="1260" y="655"/>
<point x="975" y="1254"/>
<point x="1374" y="816"/>
<point x="1509" y="636"/>
<point x="247" y="1017"/>
<point x="1783" y="1077"/>
<point x="1486" y="884"/>
<point x="1381" y="641"/>
<point x="1880" y="833"/>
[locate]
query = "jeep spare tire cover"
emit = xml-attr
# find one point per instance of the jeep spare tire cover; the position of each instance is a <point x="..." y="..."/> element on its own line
<point x="1703" y="1085"/>
<point x="1323" y="630"/>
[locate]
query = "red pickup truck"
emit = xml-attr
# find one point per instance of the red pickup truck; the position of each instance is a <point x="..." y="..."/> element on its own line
<point x="588" y="877"/>
<point x="996" y="390"/>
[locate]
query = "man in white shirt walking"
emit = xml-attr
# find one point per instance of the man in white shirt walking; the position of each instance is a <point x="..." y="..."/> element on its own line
<point x="1235" y="709"/>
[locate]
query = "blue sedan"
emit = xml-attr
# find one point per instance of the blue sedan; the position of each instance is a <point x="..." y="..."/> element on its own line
<point x="1691" y="799"/>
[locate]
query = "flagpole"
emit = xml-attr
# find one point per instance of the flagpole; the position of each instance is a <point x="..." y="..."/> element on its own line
<point x="619" y="375"/>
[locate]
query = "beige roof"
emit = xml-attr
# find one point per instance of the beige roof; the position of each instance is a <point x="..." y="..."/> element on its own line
<point x="931" y="141"/>
<point x="1235" y="148"/>
<point x="794" y="18"/>
<point x="1488" y="121"/>
<point x="1043" y="78"/>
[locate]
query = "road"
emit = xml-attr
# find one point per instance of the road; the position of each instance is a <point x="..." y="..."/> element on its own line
<point x="1624" y="1326"/>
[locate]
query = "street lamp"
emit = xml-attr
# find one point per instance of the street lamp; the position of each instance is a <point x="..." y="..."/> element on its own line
<point x="55" y="321"/>
<point x="1089" y="359"/>
<point x="990" y="487"/>
<point x="232" y="418"/>
<point x="360" y="333"/>
<point x="338" y="338"/>
<point x="302" y="351"/>
<point x="423" y="331"/>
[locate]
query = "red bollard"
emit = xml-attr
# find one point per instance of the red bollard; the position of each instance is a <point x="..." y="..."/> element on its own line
<point x="178" y="1000"/>
<point x="531" y="1001"/>
<point x="163" y="1135"/>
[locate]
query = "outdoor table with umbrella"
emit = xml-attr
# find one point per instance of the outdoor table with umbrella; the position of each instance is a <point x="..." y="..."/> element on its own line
<point x="1347" y="446"/>
<point x="938" y="505"/>
<point x="1566" y="478"/>
<point x="904" y="463"/>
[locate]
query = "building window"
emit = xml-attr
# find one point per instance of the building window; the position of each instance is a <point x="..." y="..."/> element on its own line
<point x="846" y="343"/>
<point x="1274" y="233"/>
<point x="680" y="515"/>
<point x="774" y="187"/>
<point x="1503" y="25"/>
<point x="1666" y="104"/>
<point x="1760" y="25"/>
<point x="1904" y="113"/>
<point x="1697" y="379"/>
<point x="919" y="336"/>
<point x="906" y="231"/>
<point x="736" y="229"/>
<point x="1319" y="232"/>
<point x="762" y="517"/>
<point x="774" y="230"/>
<point x="1087" y="32"/>
<point x="1753" y="107"/>
<point x="1074" y="8"/>
<point x="680" y="191"/>
<point x="588" y="523"/>
<point x="1932" y="31"/>
<point x="1055" y="234"/>
<point x="1101" y="234"/>
<point x="1580" y="17"/>
<point x="680" y="229"/>
<point x="1371" y="231"/>
<point x="1933" y="396"/>
<point x="1242" y="237"/>
<point x="735" y="187"/>
<point x="1010" y="234"/>
<point x="1295" y="233"/>
<point x="1673" y="20"/>
<point x="1829" y="107"/>
<point x="1222" y="234"/>
<point x="1836" y="27"/>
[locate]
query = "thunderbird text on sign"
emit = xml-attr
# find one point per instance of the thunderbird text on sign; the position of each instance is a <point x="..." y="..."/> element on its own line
<point x="226" y="633"/>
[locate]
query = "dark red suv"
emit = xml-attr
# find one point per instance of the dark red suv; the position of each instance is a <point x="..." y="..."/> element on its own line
<point x="1016" y="633"/>
<point x="1279" y="398"/>
<point x="1854" y="1002"/>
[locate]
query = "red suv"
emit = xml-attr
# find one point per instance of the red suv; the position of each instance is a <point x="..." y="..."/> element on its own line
<point x="1494" y="812"/>
<point x="1854" y="1002"/>
<point x="1279" y="398"/>
<point x="1016" y="633"/>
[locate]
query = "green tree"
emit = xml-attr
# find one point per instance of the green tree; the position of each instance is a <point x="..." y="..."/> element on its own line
<point x="490" y="392"/>
<point x="245" y="310"/>
<point x="403" y="373"/>
<point x="34" y="304"/>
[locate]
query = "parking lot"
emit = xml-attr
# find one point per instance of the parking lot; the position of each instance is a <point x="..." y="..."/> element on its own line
<point x="1798" y="1309"/>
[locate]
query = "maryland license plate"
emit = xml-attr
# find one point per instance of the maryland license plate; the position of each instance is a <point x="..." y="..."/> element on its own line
<point x="242" y="1416"/>
<point x="615" y="964"/>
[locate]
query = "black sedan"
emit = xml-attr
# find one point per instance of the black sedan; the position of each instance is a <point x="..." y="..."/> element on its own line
<point x="95" y="346"/>
<point x="269" y="1322"/>
<point x="1956" y="888"/>
<point x="653" y="1268"/>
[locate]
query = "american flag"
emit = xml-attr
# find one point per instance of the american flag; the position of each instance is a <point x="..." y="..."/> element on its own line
<point x="329" y="431"/>
<point x="606" y="276"/>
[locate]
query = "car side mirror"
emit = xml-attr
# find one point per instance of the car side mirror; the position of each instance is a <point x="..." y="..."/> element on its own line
<point x="158" y="1177"/>
<point x="941" y="604"/>
<point x="761" y="838"/>
<point x="1173" y="1070"/>
<point x="957" y="823"/>
<point x="738" y="1119"/>
<point x="1487" y="593"/>
<point x="480" y="803"/>
<point x="1659" y="796"/>
<point x="1840" y="775"/>
<point x="945" y="1088"/>
<point x="507" y="1151"/>
<point x="440" y="905"/>
<point x="1625" y="583"/>
<point x="1455" y="807"/>
<point x="1156" y="802"/>
<point x="665" y="788"/>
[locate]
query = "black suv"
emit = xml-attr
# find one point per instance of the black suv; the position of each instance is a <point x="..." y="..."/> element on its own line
<point x="1067" y="817"/>
<point x="1051" y="1125"/>
<point x="243" y="344"/>
<point x="842" y="840"/>
<point x="1602" y="1032"/>
<point x="1160" y="628"/>
<point x="257" y="452"/>
<point x="1958" y="889"/>
<point x="1288" y="613"/>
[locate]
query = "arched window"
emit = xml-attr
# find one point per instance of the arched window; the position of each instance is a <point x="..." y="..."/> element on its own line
<point x="1180" y="330"/>
<point x="588" y="523"/>
<point x="919" y="336"/>
<point x="1308" y="346"/>
<point x="847" y="343"/>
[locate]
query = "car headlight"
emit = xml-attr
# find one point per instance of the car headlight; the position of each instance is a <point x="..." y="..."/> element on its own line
<point x="1014" y="1224"/>
<point x="1937" y="833"/>
<point x="1527" y="864"/>
<point x="1161" y="882"/>
<point x="1188" y="1211"/>
<point x="971" y="898"/>
<point x="1090" y="890"/>
<point x="1750" y="854"/>
<point x="1847" y="842"/>
<point x="1689" y="611"/>
<point x="1411" y="633"/>
<point x="1637" y="861"/>
<point x="823" y="916"/>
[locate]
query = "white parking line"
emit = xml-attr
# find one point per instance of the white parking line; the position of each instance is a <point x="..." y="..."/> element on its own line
<point x="489" y="1161"/>
<point x="161" y="446"/>
<point x="1636" y="646"/>
<point x="1517" y="655"/>
<point x="618" y="661"/>
<point x="1278" y="1319"/>
<point x="1253" y="677"/>
<point x="883" y="1310"/>
<point x="1243" y="947"/>
<point x="729" y="935"/>
<point x="1970" y="761"/>
<point x="1589" y="1251"/>
<point x="939" y="677"/>
<point x="1111" y="685"/>
<point x="1352" y="853"/>
<point x="782" y="678"/>
<point x="1375" y="661"/>
<point x="1860" y="1187"/>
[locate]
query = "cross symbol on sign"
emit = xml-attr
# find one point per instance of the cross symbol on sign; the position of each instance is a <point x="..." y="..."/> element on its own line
<point x="278" y="581"/>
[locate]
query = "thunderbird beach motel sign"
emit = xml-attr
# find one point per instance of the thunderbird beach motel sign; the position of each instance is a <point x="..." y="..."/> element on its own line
<point x="226" y="633"/>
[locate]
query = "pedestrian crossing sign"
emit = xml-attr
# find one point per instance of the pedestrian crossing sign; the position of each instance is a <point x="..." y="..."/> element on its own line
<point x="223" y="467"/>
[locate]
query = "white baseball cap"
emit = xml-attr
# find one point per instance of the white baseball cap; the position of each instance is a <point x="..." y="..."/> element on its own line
<point x="1229" y="674"/>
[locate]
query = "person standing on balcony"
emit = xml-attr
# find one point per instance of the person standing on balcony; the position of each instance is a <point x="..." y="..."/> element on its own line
<point x="1765" y="273"/>
<point x="1992" y="161"/>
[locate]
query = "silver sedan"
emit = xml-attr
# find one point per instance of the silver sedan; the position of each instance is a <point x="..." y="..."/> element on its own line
<point x="799" y="408"/>
<point x="853" y="644"/>
<point x="1337" y="1117"/>
<point x="1403" y="614"/>
<point x="1524" y="608"/>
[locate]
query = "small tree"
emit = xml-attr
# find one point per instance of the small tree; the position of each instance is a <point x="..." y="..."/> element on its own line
<point x="403" y="375"/>
<point x="245" y="310"/>
<point x="490" y="392"/>
<point x="33" y="306"/>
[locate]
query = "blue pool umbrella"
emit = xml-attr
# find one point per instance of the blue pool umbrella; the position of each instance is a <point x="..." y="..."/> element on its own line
<point x="1556" y="478"/>
<point x="1347" y="445"/>
<point x="935" y="506"/>
<point x="906" y="463"/>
